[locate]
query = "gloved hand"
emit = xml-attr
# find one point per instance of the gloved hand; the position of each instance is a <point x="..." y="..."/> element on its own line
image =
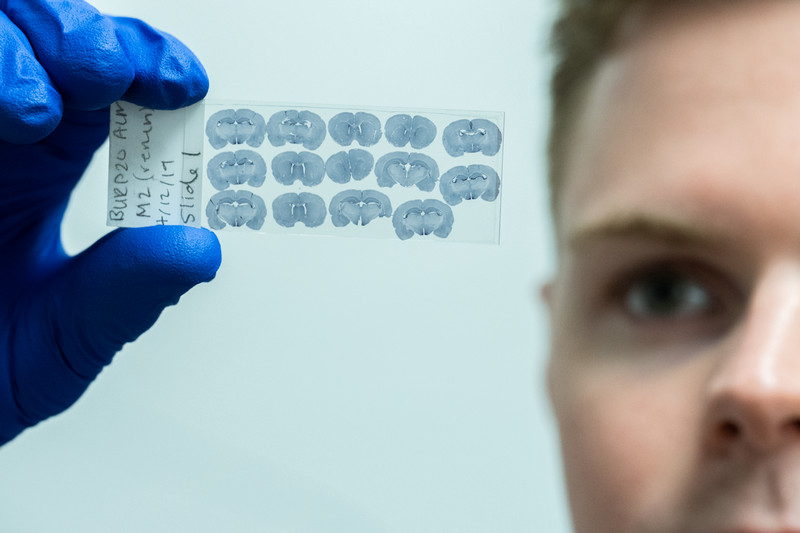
<point x="63" y="318"/>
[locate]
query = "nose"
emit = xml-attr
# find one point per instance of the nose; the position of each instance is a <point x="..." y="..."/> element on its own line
<point x="754" y="391"/>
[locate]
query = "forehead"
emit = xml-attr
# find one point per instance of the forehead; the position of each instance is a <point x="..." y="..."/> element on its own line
<point x="696" y="116"/>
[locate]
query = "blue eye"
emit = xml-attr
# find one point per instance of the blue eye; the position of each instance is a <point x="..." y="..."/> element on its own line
<point x="667" y="295"/>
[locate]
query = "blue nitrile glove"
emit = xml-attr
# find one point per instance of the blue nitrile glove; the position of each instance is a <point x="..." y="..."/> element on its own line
<point x="63" y="318"/>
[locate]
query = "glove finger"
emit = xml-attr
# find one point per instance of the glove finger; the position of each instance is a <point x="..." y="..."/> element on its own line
<point x="78" y="48"/>
<point x="107" y="296"/>
<point x="30" y="107"/>
<point x="168" y="74"/>
<point x="36" y="182"/>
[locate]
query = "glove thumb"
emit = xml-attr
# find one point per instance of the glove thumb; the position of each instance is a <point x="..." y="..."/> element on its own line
<point x="106" y="296"/>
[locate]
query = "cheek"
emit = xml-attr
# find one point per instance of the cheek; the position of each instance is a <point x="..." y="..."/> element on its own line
<point x="628" y="441"/>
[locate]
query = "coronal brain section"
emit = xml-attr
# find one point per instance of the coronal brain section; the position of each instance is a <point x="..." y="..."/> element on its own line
<point x="407" y="169"/>
<point x="296" y="127"/>
<point x="355" y="164"/>
<point x="469" y="183"/>
<point x="346" y="127"/>
<point x="236" y="168"/>
<point x="236" y="209"/>
<point x="359" y="207"/>
<point x="472" y="136"/>
<point x="306" y="167"/>
<point x="291" y="208"/>
<point x="423" y="217"/>
<point x="417" y="130"/>
<point x="235" y="126"/>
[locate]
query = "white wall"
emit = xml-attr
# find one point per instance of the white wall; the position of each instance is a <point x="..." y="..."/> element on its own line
<point x="284" y="397"/>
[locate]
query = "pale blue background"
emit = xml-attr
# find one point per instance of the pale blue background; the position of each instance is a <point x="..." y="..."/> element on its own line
<point x="323" y="384"/>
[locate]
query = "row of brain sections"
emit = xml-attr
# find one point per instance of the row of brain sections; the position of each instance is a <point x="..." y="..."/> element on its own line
<point x="238" y="208"/>
<point x="306" y="128"/>
<point x="241" y="163"/>
<point x="246" y="167"/>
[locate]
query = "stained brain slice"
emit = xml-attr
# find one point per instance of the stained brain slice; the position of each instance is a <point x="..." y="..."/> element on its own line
<point x="236" y="209"/>
<point x="359" y="207"/>
<point x="472" y="136"/>
<point x="307" y="208"/>
<point x="296" y="127"/>
<point x="469" y="183"/>
<point x="307" y="167"/>
<point x="346" y="127"/>
<point x="236" y="168"/>
<point x="423" y="217"/>
<point x="403" y="129"/>
<point x="355" y="164"/>
<point x="235" y="126"/>
<point x="407" y="169"/>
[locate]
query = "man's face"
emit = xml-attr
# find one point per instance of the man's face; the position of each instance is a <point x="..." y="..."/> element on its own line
<point x="675" y="371"/>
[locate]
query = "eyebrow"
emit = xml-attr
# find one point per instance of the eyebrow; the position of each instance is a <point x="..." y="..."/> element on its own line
<point x="665" y="229"/>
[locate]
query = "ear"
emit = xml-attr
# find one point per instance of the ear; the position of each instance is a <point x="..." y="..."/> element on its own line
<point x="546" y="295"/>
<point x="550" y="382"/>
